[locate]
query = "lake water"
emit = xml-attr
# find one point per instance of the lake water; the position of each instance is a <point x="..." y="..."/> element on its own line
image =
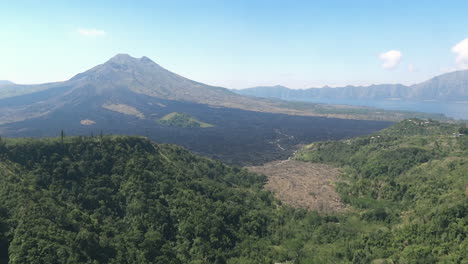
<point x="458" y="110"/>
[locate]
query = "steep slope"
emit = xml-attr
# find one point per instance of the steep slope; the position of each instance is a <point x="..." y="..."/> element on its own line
<point x="447" y="87"/>
<point x="451" y="86"/>
<point x="125" y="200"/>
<point x="146" y="77"/>
<point x="412" y="180"/>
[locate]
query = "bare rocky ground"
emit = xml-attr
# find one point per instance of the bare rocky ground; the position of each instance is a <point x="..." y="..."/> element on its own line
<point x="303" y="184"/>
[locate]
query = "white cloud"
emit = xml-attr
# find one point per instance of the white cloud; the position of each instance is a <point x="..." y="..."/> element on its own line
<point x="91" y="32"/>
<point x="390" y="59"/>
<point x="412" y="68"/>
<point x="461" y="50"/>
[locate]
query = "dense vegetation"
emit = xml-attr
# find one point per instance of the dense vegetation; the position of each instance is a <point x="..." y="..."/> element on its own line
<point x="127" y="200"/>
<point x="124" y="200"/>
<point x="410" y="184"/>
<point x="182" y="120"/>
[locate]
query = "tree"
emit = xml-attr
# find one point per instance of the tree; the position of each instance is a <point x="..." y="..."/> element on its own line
<point x="62" y="135"/>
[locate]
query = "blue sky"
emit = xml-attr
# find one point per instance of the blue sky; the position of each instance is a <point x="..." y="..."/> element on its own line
<point x="239" y="43"/>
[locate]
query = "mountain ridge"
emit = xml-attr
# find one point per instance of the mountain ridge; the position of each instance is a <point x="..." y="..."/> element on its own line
<point x="451" y="86"/>
<point x="6" y="82"/>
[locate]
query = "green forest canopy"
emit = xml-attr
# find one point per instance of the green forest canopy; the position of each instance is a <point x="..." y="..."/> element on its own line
<point x="182" y="120"/>
<point x="115" y="199"/>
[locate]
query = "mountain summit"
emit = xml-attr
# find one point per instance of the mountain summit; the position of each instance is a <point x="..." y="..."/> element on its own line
<point x="143" y="76"/>
<point x="123" y="82"/>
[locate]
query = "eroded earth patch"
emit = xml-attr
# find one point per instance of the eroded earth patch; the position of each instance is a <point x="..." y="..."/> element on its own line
<point x="303" y="184"/>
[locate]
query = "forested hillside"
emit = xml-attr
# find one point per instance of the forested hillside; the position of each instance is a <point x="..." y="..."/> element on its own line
<point x="112" y="199"/>
<point x="411" y="180"/>
<point x="125" y="200"/>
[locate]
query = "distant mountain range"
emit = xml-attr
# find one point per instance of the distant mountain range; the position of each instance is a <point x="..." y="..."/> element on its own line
<point x="447" y="87"/>
<point x="5" y="82"/>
